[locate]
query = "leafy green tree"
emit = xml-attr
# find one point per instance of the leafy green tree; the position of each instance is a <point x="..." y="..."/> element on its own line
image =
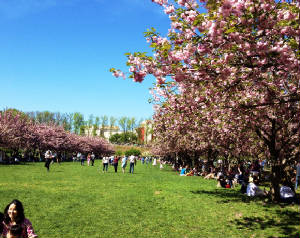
<point x="132" y="137"/>
<point x="82" y="130"/>
<point x="68" y="121"/>
<point x="45" y="117"/>
<point x="96" y="125"/>
<point x="112" y="122"/>
<point x="104" y="121"/>
<point x="124" y="138"/>
<point x="58" y="118"/>
<point x="116" y="138"/>
<point x="133" y="151"/>
<point x="123" y="124"/>
<point x="119" y="153"/>
<point x="131" y="124"/>
<point x="78" y="122"/>
<point x="90" y="123"/>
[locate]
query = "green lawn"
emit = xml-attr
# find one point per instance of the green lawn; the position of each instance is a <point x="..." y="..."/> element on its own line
<point x="79" y="201"/>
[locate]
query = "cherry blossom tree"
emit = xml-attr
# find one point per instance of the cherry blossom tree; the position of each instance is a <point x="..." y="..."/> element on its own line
<point x="17" y="131"/>
<point x="227" y="74"/>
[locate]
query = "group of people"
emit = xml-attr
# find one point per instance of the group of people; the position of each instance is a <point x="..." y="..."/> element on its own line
<point x="248" y="175"/>
<point x="14" y="224"/>
<point x="114" y="160"/>
<point x="106" y="161"/>
<point x="90" y="158"/>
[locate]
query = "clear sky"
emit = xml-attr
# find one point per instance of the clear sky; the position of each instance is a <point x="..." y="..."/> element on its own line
<point x="56" y="55"/>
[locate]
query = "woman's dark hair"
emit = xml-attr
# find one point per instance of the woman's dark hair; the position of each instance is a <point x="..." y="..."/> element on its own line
<point x="20" y="212"/>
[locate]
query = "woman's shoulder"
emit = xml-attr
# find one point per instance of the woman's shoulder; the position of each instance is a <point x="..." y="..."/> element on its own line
<point x="27" y="222"/>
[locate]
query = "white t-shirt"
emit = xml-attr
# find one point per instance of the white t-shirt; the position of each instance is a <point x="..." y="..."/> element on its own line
<point x="131" y="159"/>
<point x="48" y="154"/>
<point x="105" y="160"/>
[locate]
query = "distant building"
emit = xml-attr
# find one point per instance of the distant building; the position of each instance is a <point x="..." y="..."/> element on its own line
<point x="145" y="132"/>
<point x="104" y="132"/>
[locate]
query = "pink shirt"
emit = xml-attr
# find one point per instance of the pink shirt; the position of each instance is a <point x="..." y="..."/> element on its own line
<point x="28" y="231"/>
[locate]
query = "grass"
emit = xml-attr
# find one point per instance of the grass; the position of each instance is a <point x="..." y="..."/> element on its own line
<point x="79" y="201"/>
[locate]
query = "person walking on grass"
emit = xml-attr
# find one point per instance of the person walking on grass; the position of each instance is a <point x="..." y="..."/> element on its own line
<point x="115" y="162"/>
<point x="161" y="162"/>
<point x="93" y="158"/>
<point x="88" y="159"/>
<point x="78" y="156"/>
<point x="48" y="159"/>
<point x="124" y="163"/>
<point x="105" y="163"/>
<point x="154" y="162"/>
<point x="132" y="163"/>
<point x="147" y="159"/>
<point x="82" y="159"/>
<point x="54" y="158"/>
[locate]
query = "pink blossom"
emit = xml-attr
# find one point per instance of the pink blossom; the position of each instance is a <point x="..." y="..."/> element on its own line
<point x="169" y="9"/>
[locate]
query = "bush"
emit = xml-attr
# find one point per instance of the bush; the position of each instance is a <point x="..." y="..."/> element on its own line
<point x="119" y="153"/>
<point x="133" y="151"/>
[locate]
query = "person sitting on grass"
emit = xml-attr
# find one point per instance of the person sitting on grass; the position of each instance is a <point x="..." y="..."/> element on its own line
<point x="183" y="171"/>
<point x="14" y="215"/>
<point x="286" y="194"/>
<point x="191" y="173"/>
<point x="227" y="183"/>
<point x="221" y="181"/>
<point x="253" y="189"/>
<point x="211" y="175"/>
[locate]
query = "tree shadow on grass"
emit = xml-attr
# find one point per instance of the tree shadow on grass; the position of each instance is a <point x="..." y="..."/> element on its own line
<point x="286" y="226"/>
<point x="227" y="195"/>
<point x="234" y="195"/>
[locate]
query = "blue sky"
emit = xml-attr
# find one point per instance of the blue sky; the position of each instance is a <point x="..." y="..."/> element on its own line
<point x="56" y="54"/>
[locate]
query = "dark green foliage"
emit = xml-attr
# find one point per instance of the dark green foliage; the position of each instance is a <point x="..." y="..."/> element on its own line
<point x="118" y="153"/>
<point x="123" y="138"/>
<point x="133" y="151"/>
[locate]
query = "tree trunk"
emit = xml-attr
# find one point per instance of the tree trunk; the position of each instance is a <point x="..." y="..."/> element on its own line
<point x="276" y="163"/>
<point x="276" y="175"/>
